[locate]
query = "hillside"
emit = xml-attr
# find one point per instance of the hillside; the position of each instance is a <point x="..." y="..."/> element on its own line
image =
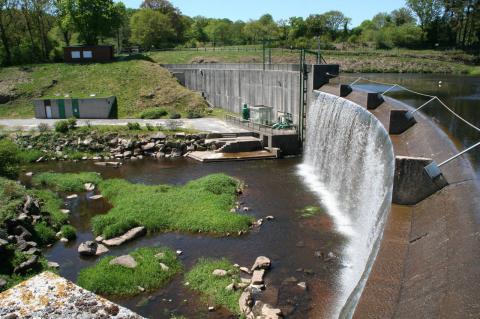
<point x="138" y="85"/>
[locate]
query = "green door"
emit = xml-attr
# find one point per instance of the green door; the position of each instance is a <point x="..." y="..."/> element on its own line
<point x="61" y="109"/>
<point x="75" y="108"/>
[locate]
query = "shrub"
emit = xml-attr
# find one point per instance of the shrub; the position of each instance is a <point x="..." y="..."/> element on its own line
<point x="175" y="116"/>
<point x="29" y="156"/>
<point x="44" y="233"/>
<point x="117" y="280"/>
<point x="43" y="127"/>
<point x="51" y="205"/>
<point x="149" y="127"/>
<point x="9" y="159"/>
<point x="153" y="113"/>
<point x="194" y="115"/>
<point x="69" y="232"/>
<point x="62" y="126"/>
<point x="12" y="196"/>
<point x="72" y="123"/>
<point x="134" y="126"/>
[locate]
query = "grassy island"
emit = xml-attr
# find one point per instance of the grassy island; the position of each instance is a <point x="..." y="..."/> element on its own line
<point x="200" y="205"/>
<point x="66" y="182"/>
<point x="211" y="287"/>
<point x="155" y="267"/>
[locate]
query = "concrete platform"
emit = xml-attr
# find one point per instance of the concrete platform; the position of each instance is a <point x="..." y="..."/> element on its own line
<point x="212" y="156"/>
<point x="48" y="295"/>
<point x="428" y="265"/>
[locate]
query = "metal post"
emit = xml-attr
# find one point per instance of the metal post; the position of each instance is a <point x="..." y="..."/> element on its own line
<point x="264" y="54"/>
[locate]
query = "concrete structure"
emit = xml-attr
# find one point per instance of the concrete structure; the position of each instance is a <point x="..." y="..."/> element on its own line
<point x="229" y="86"/>
<point x="48" y="295"/>
<point x="85" y="108"/>
<point x="428" y="261"/>
<point x="88" y="53"/>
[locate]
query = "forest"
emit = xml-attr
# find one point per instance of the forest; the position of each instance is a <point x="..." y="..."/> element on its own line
<point x="33" y="31"/>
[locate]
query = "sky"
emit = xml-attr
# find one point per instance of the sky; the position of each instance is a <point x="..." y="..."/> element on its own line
<point x="358" y="10"/>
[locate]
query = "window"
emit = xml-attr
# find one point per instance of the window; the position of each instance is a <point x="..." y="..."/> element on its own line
<point x="87" y="54"/>
<point x="75" y="54"/>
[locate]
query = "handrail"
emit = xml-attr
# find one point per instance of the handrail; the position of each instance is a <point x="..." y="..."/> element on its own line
<point x="256" y="126"/>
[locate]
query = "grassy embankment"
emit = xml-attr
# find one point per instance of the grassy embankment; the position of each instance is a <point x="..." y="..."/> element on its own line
<point x="212" y="288"/>
<point x="139" y="85"/>
<point x="66" y="182"/>
<point x="370" y="61"/>
<point x="117" y="280"/>
<point x="202" y="205"/>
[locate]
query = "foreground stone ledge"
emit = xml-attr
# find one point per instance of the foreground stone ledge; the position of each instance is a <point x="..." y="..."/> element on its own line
<point x="48" y="295"/>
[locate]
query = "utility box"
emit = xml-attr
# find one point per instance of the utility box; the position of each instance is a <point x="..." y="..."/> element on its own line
<point x="261" y="114"/>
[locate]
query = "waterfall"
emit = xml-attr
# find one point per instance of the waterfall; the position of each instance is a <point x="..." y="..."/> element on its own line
<point x="349" y="163"/>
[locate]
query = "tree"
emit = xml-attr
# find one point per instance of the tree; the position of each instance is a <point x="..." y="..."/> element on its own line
<point x="151" y="28"/>
<point x="92" y="19"/>
<point x="5" y="20"/>
<point x="427" y="11"/>
<point x="402" y="16"/>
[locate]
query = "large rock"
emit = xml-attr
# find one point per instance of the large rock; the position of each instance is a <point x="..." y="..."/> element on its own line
<point x="88" y="248"/>
<point x="101" y="249"/>
<point x="129" y="235"/>
<point x="246" y="302"/>
<point x="219" y="273"/>
<point x="148" y="146"/>
<point x="257" y="277"/>
<point x="264" y="311"/>
<point x="26" y="265"/>
<point x="31" y="206"/>
<point x="261" y="262"/>
<point x="158" y="136"/>
<point x="124" y="261"/>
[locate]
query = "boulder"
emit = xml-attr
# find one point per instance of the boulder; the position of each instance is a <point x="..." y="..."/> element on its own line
<point x="257" y="277"/>
<point x="101" y="249"/>
<point x="22" y="232"/>
<point x="148" y="147"/>
<point x="124" y="261"/>
<point x="31" y="206"/>
<point x="88" y="248"/>
<point x="89" y="187"/>
<point x="26" y="265"/>
<point x="261" y="262"/>
<point x="129" y="235"/>
<point x="246" y="302"/>
<point x="264" y="311"/>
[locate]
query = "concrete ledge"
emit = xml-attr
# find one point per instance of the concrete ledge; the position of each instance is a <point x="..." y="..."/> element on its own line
<point x="411" y="182"/>
<point x="322" y="73"/>
<point x="345" y="90"/>
<point x="374" y="100"/>
<point x="400" y="121"/>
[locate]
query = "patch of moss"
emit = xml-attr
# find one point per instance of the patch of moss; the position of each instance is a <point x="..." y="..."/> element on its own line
<point x="117" y="280"/>
<point x="69" y="232"/>
<point x="212" y="288"/>
<point x="200" y="205"/>
<point x="66" y="182"/>
<point x="310" y="211"/>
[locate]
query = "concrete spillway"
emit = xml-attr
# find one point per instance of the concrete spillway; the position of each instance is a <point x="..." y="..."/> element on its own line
<point x="349" y="162"/>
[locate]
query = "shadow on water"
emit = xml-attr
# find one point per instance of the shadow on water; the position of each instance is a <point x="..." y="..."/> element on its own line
<point x="273" y="188"/>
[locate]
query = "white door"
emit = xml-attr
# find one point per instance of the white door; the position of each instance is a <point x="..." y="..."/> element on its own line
<point x="48" y="110"/>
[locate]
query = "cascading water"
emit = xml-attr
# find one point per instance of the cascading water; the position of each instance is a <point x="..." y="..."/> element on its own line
<point x="349" y="163"/>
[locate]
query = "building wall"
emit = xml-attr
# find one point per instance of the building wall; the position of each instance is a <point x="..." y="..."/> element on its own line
<point x="96" y="53"/>
<point x="88" y="108"/>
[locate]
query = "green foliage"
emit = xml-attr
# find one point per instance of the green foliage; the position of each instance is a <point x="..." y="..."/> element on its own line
<point x="153" y="113"/>
<point x="29" y="155"/>
<point x="50" y="206"/>
<point x="44" y="233"/>
<point x="200" y="205"/>
<point x="175" y="116"/>
<point x="62" y="126"/>
<point x="194" y="115"/>
<point x="310" y="211"/>
<point x="212" y="288"/>
<point x="9" y="159"/>
<point x="134" y="126"/>
<point x="117" y="280"/>
<point x="12" y="196"/>
<point x="151" y="29"/>
<point x="66" y="182"/>
<point x="69" y="232"/>
<point x="72" y="123"/>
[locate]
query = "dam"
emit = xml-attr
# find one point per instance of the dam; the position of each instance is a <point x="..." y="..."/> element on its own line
<point x="416" y="257"/>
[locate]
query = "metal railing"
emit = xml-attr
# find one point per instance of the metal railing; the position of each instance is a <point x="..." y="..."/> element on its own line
<point x="258" y="128"/>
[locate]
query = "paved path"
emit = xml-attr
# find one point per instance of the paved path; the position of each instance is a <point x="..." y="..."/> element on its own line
<point x="203" y="124"/>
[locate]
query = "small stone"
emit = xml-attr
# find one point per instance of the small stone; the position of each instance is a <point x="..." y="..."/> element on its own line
<point x="73" y="196"/>
<point x="65" y="211"/>
<point x="245" y="270"/>
<point x="52" y="264"/>
<point x="164" y="267"/>
<point x="140" y="288"/>
<point x="124" y="261"/>
<point x="95" y="197"/>
<point x="87" y="248"/>
<point x="302" y="285"/>
<point x="89" y="187"/>
<point x="101" y="249"/>
<point x="219" y="273"/>
<point x="261" y="262"/>
<point x="160" y="256"/>
<point x="129" y="235"/>
<point x="63" y="240"/>
<point x="246" y="209"/>
<point x="179" y="252"/>
<point x="211" y="308"/>
<point x="257" y="277"/>
<point x="99" y="239"/>
<point x="230" y="287"/>
<point x="29" y="174"/>
<point x="270" y="218"/>
<point x="233" y="210"/>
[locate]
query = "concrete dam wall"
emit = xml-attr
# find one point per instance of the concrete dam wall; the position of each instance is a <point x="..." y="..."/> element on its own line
<point x="229" y="86"/>
<point x="349" y="162"/>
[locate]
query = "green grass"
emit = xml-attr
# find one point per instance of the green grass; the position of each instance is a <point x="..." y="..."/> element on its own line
<point x="310" y="211"/>
<point x="51" y="205"/>
<point x="153" y="113"/>
<point x="12" y="195"/>
<point x="107" y="279"/>
<point x="69" y="232"/>
<point x="66" y="182"/>
<point x="212" y="288"/>
<point x="44" y="234"/>
<point x="200" y="205"/>
<point x="138" y="85"/>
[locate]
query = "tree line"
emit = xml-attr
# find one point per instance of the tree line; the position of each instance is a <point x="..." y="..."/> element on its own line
<point x="36" y="30"/>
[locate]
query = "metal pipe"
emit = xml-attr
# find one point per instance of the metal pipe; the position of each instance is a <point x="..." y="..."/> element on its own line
<point x="459" y="154"/>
